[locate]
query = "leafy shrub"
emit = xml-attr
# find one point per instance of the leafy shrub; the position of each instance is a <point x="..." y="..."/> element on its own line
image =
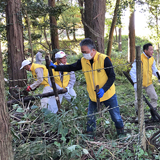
<point x="120" y="65"/>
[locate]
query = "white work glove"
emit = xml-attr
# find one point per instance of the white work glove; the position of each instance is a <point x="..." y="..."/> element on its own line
<point x="67" y="89"/>
<point x="135" y="86"/>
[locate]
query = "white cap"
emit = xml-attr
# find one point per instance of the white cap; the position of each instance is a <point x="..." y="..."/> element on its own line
<point x="24" y="63"/>
<point x="60" y="54"/>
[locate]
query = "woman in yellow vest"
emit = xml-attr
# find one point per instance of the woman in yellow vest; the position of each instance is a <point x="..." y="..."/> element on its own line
<point x="62" y="80"/>
<point x="148" y="68"/>
<point x="39" y="73"/>
<point x="92" y="64"/>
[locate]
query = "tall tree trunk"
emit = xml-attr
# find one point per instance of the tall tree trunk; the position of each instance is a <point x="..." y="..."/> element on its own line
<point x="109" y="48"/>
<point x="15" y="42"/>
<point x="116" y="34"/>
<point x="93" y="20"/>
<point x="5" y="135"/>
<point x="53" y="29"/>
<point x="29" y="34"/>
<point x="120" y="41"/>
<point x="74" y="33"/>
<point x="67" y="34"/>
<point x="131" y="41"/>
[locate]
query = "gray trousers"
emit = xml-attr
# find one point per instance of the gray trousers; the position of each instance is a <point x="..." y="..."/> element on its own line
<point x="152" y="95"/>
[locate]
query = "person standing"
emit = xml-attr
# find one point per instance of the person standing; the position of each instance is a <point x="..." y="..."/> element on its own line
<point x="148" y="68"/>
<point x="98" y="70"/>
<point x="62" y="80"/>
<point x="39" y="58"/>
<point x="40" y="74"/>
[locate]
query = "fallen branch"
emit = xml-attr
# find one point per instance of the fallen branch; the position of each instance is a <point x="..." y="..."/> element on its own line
<point x="33" y="98"/>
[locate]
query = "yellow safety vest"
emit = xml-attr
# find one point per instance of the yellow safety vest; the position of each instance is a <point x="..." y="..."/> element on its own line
<point x="147" y="69"/>
<point x="45" y="73"/>
<point x="96" y="76"/>
<point x="66" y="78"/>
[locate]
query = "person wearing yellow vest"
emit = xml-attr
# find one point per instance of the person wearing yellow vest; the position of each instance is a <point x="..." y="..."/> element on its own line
<point x="98" y="70"/>
<point x="62" y="80"/>
<point x="148" y="68"/>
<point x="39" y="73"/>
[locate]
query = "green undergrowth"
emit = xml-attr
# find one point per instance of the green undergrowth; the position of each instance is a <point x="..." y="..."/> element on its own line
<point x="41" y="135"/>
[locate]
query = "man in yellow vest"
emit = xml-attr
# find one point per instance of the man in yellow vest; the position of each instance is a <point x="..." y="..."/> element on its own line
<point x="98" y="70"/>
<point x="62" y="80"/>
<point x="40" y="73"/>
<point x="148" y="68"/>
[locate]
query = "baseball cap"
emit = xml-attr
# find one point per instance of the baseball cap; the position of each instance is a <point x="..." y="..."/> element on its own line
<point x="24" y="63"/>
<point x="60" y="54"/>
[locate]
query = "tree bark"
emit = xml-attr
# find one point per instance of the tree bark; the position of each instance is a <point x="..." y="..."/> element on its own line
<point x="29" y="34"/>
<point x="5" y="135"/>
<point x="15" y="43"/>
<point x="53" y="29"/>
<point x="116" y="40"/>
<point x="93" y="20"/>
<point x="131" y="47"/>
<point x="74" y="33"/>
<point x="67" y="34"/>
<point x="109" y="48"/>
<point x="120" y="41"/>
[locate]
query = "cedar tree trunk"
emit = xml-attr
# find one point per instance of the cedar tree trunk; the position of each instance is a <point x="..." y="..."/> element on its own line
<point x="120" y="41"/>
<point x="93" y="20"/>
<point x="131" y="47"/>
<point x="53" y="29"/>
<point x="5" y="135"/>
<point x="15" y="42"/>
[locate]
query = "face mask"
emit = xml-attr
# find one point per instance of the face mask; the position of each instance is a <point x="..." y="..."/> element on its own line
<point x="87" y="56"/>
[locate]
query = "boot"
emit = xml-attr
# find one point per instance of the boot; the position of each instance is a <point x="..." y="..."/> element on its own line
<point x="120" y="133"/>
<point x="154" y="117"/>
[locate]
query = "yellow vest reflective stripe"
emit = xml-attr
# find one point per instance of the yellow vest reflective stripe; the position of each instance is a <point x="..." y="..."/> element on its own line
<point x="66" y="78"/>
<point x="45" y="73"/>
<point x="96" y="77"/>
<point x="147" y="70"/>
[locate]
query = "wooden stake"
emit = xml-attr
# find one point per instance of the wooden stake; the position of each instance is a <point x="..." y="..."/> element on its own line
<point x="98" y="100"/>
<point x="139" y="98"/>
<point x="53" y="82"/>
